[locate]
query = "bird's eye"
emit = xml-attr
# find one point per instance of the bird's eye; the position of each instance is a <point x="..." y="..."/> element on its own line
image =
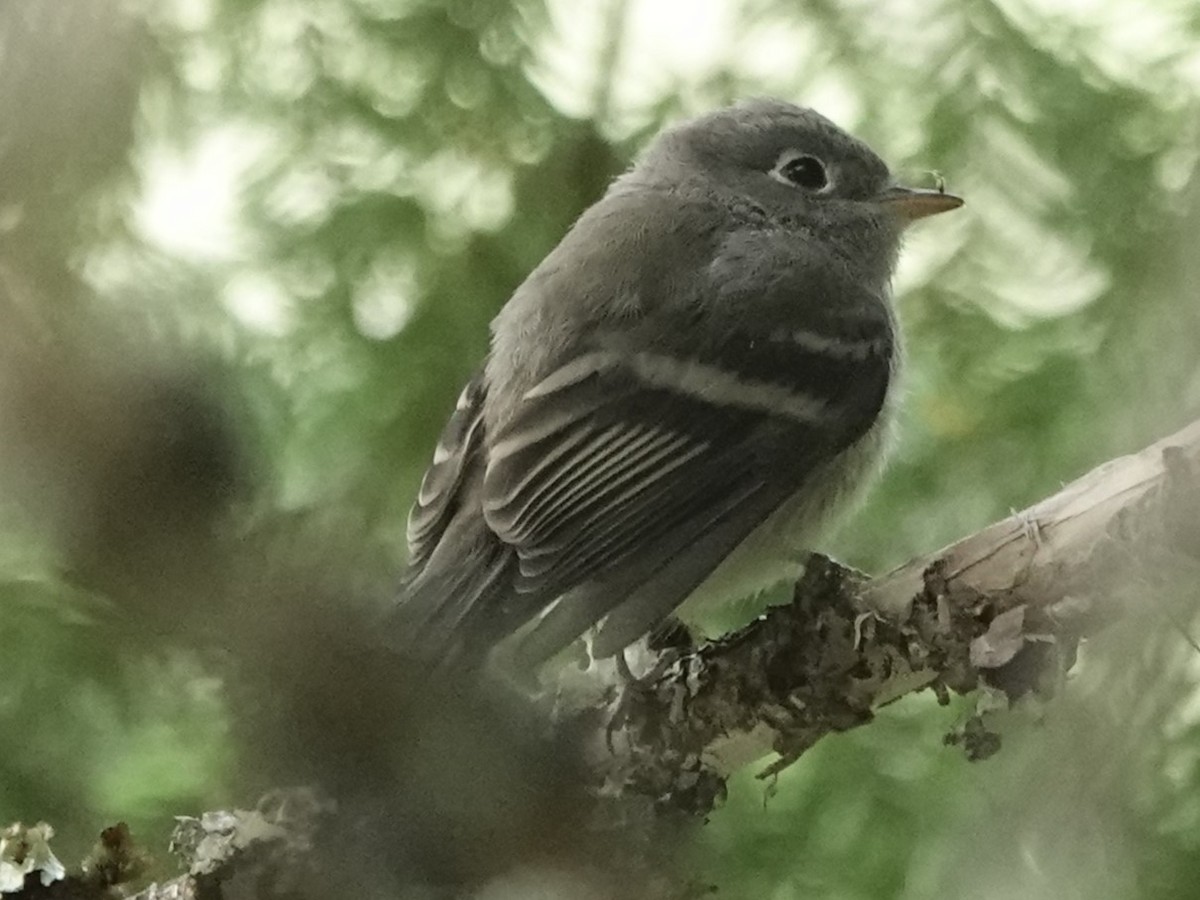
<point x="807" y="172"/>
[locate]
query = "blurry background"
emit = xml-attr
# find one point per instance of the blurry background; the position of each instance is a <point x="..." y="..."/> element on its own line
<point x="249" y="250"/>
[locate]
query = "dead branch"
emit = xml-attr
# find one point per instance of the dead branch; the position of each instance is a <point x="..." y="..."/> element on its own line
<point x="1002" y="610"/>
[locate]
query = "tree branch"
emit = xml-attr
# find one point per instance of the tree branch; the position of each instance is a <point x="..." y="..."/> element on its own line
<point x="1002" y="609"/>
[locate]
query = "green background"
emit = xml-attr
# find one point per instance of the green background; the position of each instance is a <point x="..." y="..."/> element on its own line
<point x="306" y="213"/>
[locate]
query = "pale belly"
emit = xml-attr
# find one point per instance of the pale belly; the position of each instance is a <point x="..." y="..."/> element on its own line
<point x="776" y="550"/>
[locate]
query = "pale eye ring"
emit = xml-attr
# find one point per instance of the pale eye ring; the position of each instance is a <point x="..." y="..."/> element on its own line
<point x="802" y="170"/>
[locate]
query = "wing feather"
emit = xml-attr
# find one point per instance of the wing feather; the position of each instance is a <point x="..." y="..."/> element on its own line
<point x="459" y="443"/>
<point x="652" y="460"/>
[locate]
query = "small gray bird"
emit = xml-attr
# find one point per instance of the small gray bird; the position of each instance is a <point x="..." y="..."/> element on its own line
<point x="675" y="399"/>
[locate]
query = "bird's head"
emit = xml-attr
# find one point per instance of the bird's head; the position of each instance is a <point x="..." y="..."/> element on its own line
<point x="797" y="169"/>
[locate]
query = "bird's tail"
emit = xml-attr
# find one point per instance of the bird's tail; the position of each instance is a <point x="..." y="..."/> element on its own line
<point x="449" y="614"/>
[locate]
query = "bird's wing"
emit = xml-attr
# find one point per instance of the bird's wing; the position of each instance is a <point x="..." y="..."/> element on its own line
<point x="620" y="465"/>
<point x="440" y="493"/>
<point x="457" y="566"/>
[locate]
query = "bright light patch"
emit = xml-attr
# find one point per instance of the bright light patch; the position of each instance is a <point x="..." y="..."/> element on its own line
<point x="670" y="44"/>
<point x="190" y="204"/>
<point x="662" y="46"/>
<point x="188" y="15"/>
<point x="383" y="300"/>
<point x="565" y="70"/>
<point x="258" y="302"/>
<point x="462" y="195"/>
<point x="773" y="53"/>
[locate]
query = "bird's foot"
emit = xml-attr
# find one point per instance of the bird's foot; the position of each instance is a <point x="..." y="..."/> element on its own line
<point x="635" y="692"/>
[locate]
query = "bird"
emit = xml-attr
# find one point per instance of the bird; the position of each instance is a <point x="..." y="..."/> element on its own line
<point x="676" y="399"/>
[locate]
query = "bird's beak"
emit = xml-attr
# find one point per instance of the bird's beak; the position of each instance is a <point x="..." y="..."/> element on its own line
<point x="911" y="204"/>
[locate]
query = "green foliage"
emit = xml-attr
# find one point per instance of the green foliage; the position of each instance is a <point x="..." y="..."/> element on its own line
<point x="402" y="165"/>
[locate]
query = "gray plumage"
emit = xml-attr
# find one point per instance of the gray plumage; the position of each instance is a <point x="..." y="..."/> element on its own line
<point x="674" y="398"/>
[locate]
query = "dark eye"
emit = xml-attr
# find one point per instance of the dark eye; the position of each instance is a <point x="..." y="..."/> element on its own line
<point x="806" y="171"/>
